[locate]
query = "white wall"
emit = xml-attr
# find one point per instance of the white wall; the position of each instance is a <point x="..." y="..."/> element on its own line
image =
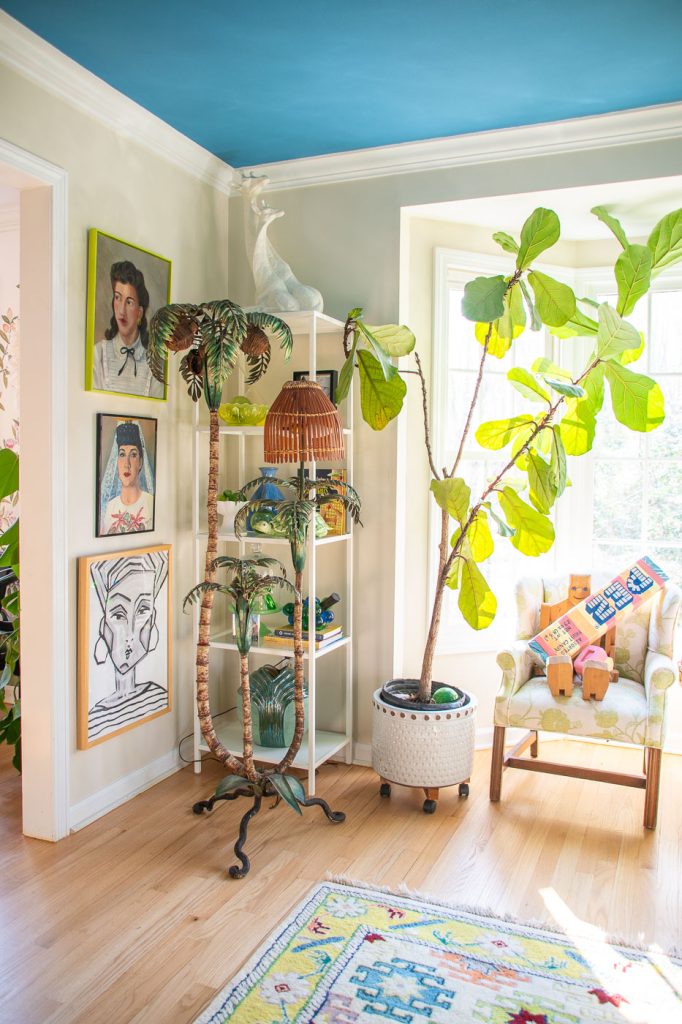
<point x="345" y="238"/>
<point x="123" y="188"/>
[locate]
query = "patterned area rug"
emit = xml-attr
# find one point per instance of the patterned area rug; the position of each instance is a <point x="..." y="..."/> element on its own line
<point x="354" y="955"/>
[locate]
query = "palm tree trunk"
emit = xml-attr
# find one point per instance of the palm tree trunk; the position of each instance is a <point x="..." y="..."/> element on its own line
<point x="203" y="650"/>
<point x="247" y="724"/>
<point x="426" y="677"/>
<point x="299" y="705"/>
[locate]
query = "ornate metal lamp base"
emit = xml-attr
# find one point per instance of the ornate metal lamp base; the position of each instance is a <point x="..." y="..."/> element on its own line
<point x="237" y="871"/>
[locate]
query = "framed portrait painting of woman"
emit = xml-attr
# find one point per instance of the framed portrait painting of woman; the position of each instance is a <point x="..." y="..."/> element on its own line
<point x="124" y="663"/>
<point x="126" y="474"/>
<point x="126" y="285"/>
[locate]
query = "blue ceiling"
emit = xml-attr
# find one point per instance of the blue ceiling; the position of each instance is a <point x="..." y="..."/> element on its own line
<point x="277" y="79"/>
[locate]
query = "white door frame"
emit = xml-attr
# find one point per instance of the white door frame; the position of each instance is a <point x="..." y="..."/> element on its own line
<point x="45" y="626"/>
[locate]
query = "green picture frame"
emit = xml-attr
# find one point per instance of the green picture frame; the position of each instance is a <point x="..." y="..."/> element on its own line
<point x="126" y="285"/>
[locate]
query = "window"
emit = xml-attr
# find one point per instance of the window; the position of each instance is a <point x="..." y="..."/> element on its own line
<point x="626" y="495"/>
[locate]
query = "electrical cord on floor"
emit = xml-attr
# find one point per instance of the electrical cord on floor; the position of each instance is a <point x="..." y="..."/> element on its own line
<point x="189" y="736"/>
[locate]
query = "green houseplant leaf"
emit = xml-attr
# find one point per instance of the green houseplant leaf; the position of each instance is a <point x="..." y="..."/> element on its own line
<point x="526" y="384"/>
<point x="483" y="299"/>
<point x="637" y="400"/>
<point x="540" y="232"/>
<point x="615" y="335"/>
<point x="481" y="541"/>
<point x="555" y="302"/>
<point x="557" y="465"/>
<point x="665" y="242"/>
<point x="542" y="488"/>
<point x="381" y="400"/>
<point x="506" y="242"/>
<point x="578" y="426"/>
<point x="533" y="531"/>
<point x="9" y="472"/>
<point x="497" y="434"/>
<point x="477" y="602"/>
<point x="453" y="495"/>
<point x="633" y="276"/>
<point x="395" y="340"/>
<point x="612" y="223"/>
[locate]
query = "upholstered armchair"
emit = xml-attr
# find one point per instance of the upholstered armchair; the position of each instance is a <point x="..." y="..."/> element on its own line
<point x="632" y="711"/>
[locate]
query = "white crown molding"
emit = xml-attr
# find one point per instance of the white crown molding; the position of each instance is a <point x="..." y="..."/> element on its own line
<point x="43" y="64"/>
<point x="646" y="124"/>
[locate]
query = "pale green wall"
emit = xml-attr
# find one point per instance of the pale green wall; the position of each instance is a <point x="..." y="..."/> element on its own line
<point x="123" y="188"/>
<point x="346" y="240"/>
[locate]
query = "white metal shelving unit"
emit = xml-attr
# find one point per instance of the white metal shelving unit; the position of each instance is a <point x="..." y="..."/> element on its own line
<point x="318" y="744"/>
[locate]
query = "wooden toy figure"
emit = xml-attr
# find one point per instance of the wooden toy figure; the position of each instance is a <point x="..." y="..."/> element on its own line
<point x="594" y="665"/>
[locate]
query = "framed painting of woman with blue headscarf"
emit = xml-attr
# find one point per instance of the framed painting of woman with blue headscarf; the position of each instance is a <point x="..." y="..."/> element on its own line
<point x="126" y="474"/>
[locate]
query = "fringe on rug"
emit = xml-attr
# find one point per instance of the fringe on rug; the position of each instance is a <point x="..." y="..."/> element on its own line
<point x="490" y="912"/>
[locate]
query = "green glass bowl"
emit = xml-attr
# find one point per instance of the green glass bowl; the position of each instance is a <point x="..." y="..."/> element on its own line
<point x="243" y="414"/>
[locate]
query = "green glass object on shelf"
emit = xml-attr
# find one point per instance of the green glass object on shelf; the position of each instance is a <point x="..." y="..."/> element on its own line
<point x="272" y="705"/>
<point x="241" y="412"/>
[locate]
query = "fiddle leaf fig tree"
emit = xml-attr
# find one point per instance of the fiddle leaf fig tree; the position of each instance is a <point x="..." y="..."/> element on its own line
<point x="562" y="405"/>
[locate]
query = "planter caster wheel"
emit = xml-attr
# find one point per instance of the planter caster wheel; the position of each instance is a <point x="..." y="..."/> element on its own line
<point x="464" y="789"/>
<point x="384" y="789"/>
<point x="429" y="806"/>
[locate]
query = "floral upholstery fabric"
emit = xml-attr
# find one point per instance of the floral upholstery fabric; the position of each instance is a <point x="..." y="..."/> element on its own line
<point x="633" y="709"/>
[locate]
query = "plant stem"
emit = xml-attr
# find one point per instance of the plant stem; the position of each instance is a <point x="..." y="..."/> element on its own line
<point x="299" y="706"/>
<point x="425" y="411"/>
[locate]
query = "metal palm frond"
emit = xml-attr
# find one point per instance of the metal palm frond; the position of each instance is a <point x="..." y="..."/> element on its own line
<point x="197" y="592"/>
<point x="223" y="330"/>
<point x="173" y="328"/>
<point x="293" y="518"/>
<point x="192" y="371"/>
<point x="237" y="564"/>
<point x="268" y="322"/>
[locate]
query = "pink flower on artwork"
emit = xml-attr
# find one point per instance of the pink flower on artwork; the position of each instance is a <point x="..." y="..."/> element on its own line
<point x="526" y="1017"/>
<point x="606" y="997"/>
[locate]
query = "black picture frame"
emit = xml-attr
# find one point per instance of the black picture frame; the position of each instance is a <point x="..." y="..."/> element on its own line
<point x="114" y="515"/>
<point x="327" y="379"/>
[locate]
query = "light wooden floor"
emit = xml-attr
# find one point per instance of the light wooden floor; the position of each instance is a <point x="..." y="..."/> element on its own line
<point x="134" y="919"/>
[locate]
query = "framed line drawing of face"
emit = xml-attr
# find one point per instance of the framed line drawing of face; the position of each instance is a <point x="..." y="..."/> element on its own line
<point x="126" y="474"/>
<point x="327" y="379"/>
<point x="126" y="285"/>
<point x="124" y="655"/>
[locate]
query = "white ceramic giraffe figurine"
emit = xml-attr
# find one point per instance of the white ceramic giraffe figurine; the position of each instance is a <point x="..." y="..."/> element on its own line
<point x="277" y="287"/>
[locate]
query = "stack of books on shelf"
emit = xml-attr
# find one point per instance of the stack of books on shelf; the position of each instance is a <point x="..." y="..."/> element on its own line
<point x="283" y="636"/>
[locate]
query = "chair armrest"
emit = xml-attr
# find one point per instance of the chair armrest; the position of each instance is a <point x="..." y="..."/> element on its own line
<point x="516" y="663"/>
<point x="659" y="674"/>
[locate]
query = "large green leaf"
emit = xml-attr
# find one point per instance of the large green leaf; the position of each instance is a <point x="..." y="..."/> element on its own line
<point x="540" y="232"/>
<point x="388" y="369"/>
<point x="506" y="242"/>
<point x="578" y="325"/>
<point x="535" y="321"/>
<point x="9" y="472"/>
<point x="526" y="384"/>
<point x="665" y="241"/>
<point x="593" y="383"/>
<point x="633" y="276"/>
<point x="509" y="326"/>
<point x="453" y="495"/>
<point x="542" y="489"/>
<point x="396" y="340"/>
<point x="477" y="602"/>
<point x="480" y="538"/>
<point x="563" y="387"/>
<point x="555" y="302"/>
<point x="497" y="433"/>
<point x="9" y="540"/>
<point x="578" y="426"/>
<point x="557" y="465"/>
<point x="612" y="224"/>
<point x="483" y="299"/>
<point x="380" y="400"/>
<point x="534" y="532"/>
<point x="503" y="529"/>
<point x="544" y="366"/>
<point x="637" y="400"/>
<point x="615" y="335"/>
<point x="282" y="784"/>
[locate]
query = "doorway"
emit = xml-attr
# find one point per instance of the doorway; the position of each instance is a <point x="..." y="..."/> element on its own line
<point x="41" y="188"/>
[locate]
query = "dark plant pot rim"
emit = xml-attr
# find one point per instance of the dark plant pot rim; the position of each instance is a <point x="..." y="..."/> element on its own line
<point x="399" y="693"/>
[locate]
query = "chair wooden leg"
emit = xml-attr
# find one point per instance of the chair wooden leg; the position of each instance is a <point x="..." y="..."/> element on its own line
<point x="653" y="779"/>
<point x="497" y="763"/>
<point x="534" y="746"/>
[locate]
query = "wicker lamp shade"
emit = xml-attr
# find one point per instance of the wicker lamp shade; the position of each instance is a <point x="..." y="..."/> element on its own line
<point x="303" y="425"/>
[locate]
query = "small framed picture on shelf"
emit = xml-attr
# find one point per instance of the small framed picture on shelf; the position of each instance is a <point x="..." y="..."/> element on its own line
<point x="333" y="512"/>
<point x="327" y="379"/>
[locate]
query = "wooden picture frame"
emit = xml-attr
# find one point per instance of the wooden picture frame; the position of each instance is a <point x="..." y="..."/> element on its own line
<point x="327" y="379"/>
<point x="124" y="642"/>
<point x="126" y="474"/>
<point x="126" y="285"/>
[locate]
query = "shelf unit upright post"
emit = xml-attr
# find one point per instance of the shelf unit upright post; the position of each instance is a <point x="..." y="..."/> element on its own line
<point x="319" y="745"/>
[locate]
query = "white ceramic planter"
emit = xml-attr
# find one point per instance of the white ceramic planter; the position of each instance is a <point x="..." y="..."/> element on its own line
<point x="424" y="749"/>
<point x="228" y="510"/>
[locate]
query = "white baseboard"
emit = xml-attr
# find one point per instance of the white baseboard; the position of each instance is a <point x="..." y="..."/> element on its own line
<point x="124" y="789"/>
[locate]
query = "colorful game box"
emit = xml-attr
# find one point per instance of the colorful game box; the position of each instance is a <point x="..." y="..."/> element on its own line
<point x="591" y="618"/>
